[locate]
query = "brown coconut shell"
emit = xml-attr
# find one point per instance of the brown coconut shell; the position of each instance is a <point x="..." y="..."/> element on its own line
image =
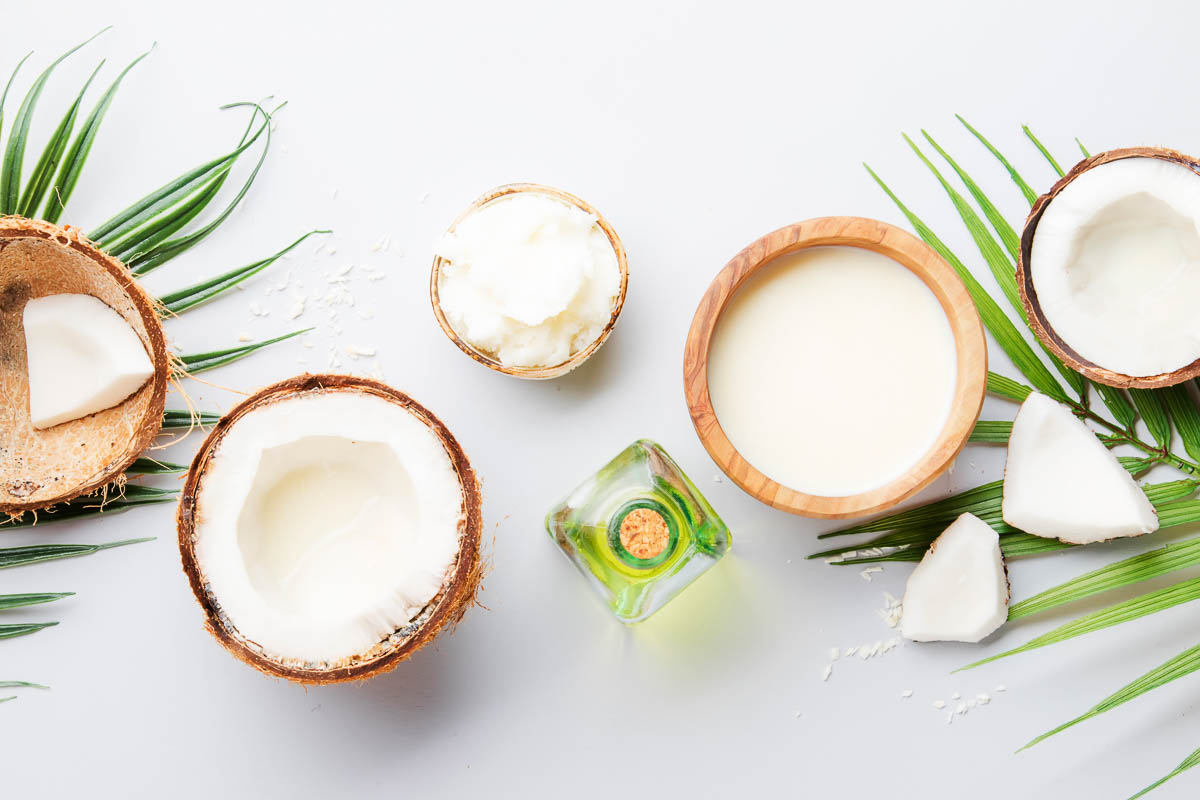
<point x="444" y="610"/>
<point x="1033" y="310"/>
<point x="39" y="468"/>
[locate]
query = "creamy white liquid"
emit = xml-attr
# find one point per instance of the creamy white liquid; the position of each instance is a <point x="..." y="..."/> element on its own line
<point x="832" y="371"/>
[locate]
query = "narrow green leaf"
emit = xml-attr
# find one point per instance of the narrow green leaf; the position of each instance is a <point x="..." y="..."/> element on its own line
<point x="1006" y="387"/>
<point x="1117" y="405"/>
<point x="1003" y="268"/>
<point x="1150" y="407"/>
<point x="6" y="699"/>
<point x="989" y="431"/>
<point x="1118" y="613"/>
<point x="131" y="496"/>
<point x="158" y="229"/>
<point x="182" y="300"/>
<point x="37" y="553"/>
<point x="170" y="193"/>
<point x="14" y="151"/>
<point x="21" y="685"/>
<point x="918" y="527"/>
<point x="1185" y="415"/>
<point x="1082" y="149"/>
<point x="155" y="257"/>
<point x="1030" y="195"/>
<point x="1020" y="545"/>
<point x="1184" y="766"/>
<point x="7" y="86"/>
<point x="150" y="466"/>
<point x="1135" y="569"/>
<point x="8" y="601"/>
<point x="1180" y="666"/>
<point x="985" y="497"/>
<point x="72" y="165"/>
<point x="199" y="362"/>
<point x="181" y="418"/>
<point x="995" y="320"/>
<point x="43" y="172"/>
<point x="1042" y="149"/>
<point x="1137" y="465"/>
<point x="13" y="630"/>
<point x="1008" y="235"/>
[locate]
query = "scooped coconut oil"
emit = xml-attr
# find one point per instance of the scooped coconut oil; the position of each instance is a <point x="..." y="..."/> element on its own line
<point x="832" y="370"/>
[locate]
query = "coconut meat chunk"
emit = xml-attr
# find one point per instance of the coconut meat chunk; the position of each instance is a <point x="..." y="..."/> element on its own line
<point x="1115" y="263"/>
<point x="82" y="357"/>
<point x="325" y="523"/>
<point x="1061" y="482"/>
<point x="959" y="591"/>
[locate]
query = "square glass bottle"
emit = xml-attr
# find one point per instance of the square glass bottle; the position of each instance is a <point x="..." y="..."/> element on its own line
<point x="639" y="530"/>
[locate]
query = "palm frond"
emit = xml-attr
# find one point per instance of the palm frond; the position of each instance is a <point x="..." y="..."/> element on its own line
<point x="72" y="165"/>
<point x="14" y="150"/>
<point x="180" y="301"/>
<point x="196" y="363"/>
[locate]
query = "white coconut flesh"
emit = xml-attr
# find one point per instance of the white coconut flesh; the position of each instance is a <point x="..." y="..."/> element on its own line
<point x="959" y="591"/>
<point x="1115" y="263"/>
<point x="82" y="357"/>
<point x="1061" y="482"/>
<point x="326" y="522"/>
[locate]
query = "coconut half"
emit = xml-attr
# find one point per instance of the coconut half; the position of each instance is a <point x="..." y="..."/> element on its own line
<point x="1110" y="267"/>
<point x="1061" y="482"/>
<point x="330" y="528"/>
<point x="39" y="468"/>
<point x="959" y="591"/>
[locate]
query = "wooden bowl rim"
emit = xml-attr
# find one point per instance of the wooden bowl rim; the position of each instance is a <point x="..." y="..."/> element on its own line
<point x="905" y="249"/>
<point x="532" y="373"/>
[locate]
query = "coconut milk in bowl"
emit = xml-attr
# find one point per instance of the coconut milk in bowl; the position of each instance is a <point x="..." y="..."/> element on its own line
<point x="835" y="367"/>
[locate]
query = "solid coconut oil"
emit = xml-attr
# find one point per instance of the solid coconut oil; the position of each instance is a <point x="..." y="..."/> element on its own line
<point x="832" y="370"/>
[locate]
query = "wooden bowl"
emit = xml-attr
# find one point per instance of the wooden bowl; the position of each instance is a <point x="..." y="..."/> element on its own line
<point x="532" y="373"/>
<point x="898" y="245"/>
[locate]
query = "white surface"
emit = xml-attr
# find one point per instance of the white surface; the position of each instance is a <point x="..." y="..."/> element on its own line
<point x="694" y="131"/>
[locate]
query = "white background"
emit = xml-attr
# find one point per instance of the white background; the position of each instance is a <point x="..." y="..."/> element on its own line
<point x="694" y="129"/>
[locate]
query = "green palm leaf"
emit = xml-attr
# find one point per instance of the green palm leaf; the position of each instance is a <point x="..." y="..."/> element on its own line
<point x="182" y="300"/>
<point x="131" y="496"/>
<point x="1180" y="666"/>
<point x="179" y="418"/>
<point x="1000" y="326"/>
<point x="1126" y="611"/>
<point x="1184" y="766"/>
<point x="199" y="362"/>
<point x="14" y="151"/>
<point x="72" y="165"/>
<point x="8" y="601"/>
<point x="43" y="172"/>
<point x="1030" y="195"/>
<point x="13" y="630"/>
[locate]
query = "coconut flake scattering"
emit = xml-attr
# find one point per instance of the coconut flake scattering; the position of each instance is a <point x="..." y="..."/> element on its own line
<point x="866" y="572"/>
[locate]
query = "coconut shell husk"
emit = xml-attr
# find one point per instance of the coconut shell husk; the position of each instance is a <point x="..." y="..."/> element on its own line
<point x="1033" y="311"/>
<point x="458" y="592"/>
<point x="39" y="468"/>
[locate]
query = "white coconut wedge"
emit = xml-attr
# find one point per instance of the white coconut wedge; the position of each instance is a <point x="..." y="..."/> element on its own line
<point x="1110" y="267"/>
<point x="40" y="467"/>
<point x="83" y="357"/>
<point x="1061" y="482"/>
<point x="959" y="592"/>
<point x="330" y="528"/>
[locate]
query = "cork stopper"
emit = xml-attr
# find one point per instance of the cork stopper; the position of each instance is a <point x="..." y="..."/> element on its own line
<point x="644" y="533"/>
